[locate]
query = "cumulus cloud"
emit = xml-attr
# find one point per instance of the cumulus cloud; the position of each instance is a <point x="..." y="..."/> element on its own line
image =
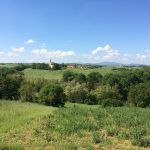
<point x="30" y="41"/>
<point x="18" y="50"/>
<point x="106" y="48"/>
<point x="109" y="52"/>
<point x="53" y="54"/>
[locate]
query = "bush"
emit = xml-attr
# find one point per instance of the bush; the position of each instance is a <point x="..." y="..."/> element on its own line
<point x="21" y="67"/>
<point x="106" y="92"/>
<point x="76" y="92"/>
<point x="93" y="79"/>
<point x="40" y="83"/>
<point x="81" y="78"/>
<point x="91" y="99"/>
<point x="112" y="103"/>
<point x="10" y="82"/>
<point x="27" y="92"/>
<point x="52" y="94"/>
<point x="68" y="76"/>
<point x="139" y="95"/>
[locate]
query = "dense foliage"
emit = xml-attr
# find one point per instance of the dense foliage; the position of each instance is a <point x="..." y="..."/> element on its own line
<point x="53" y="95"/>
<point x="10" y="82"/>
<point x="139" y="95"/>
<point x="128" y="86"/>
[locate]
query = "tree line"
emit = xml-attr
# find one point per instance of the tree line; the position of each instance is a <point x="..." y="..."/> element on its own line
<point x="128" y="87"/>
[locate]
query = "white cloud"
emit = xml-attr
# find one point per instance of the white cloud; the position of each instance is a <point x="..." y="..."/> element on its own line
<point x="12" y="54"/>
<point x="30" y="41"/>
<point x="111" y="56"/>
<point x="147" y="51"/>
<point x="106" y="48"/>
<point x="108" y="52"/>
<point x="2" y="53"/>
<point x="52" y="54"/>
<point x="141" y="56"/>
<point x="18" y="50"/>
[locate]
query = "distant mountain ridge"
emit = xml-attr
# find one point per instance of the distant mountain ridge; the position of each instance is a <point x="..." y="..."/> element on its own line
<point x="109" y="64"/>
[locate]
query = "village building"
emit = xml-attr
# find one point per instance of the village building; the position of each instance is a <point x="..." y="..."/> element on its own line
<point x="70" y="66"/>
<point x="51" y="64"/>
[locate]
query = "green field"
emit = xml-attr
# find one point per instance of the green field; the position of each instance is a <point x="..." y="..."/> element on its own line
<point x="77" y="126"/>
<point x="8" y="65"/>
<point x="57" y="75"/>
<point x="17" y="121"/>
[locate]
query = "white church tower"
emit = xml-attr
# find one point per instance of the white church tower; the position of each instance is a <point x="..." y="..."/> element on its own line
<point x="50" y="64"/>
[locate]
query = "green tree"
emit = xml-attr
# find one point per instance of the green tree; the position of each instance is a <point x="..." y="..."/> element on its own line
<point x="93" y="79"/>
<point x="27" y="92"/>
<point x="139" y="95"/>
<point x="106" y="92"/>
<point x="81" y="78"/>
<point x="52" y="94"/>
<point x="10" y="82"/>
<point x="68" y="76"/>
<point x="76" y="92"/>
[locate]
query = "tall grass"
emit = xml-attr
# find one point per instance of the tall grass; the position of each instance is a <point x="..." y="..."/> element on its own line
<point x="77" y="126"/>
<point x="97" y="125"/>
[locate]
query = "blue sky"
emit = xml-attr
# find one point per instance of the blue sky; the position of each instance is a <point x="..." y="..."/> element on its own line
<point x="75" y="31"/>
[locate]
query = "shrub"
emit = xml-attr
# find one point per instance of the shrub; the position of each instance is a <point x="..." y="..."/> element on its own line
<point x="93" y="79"/>
<point x="139" y="95"/>
<point x="68" y="76"/>
<point x="10" y="82"/>
<point x="27" y="92"/>
<point x="21" y="67"/>
<point x="76" y="92"/>
<point x="52" y="94"/>
<point x="40" y="83"/>
<point x="81" y="78"/>
<point x="91" y="99"/>
<point x="106" y="92"/>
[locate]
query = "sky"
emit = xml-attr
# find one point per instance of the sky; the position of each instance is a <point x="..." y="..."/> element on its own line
<point x="83" y="31"/>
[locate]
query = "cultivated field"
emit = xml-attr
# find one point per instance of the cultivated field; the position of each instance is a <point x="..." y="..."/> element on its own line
<point x="77" y="126"/>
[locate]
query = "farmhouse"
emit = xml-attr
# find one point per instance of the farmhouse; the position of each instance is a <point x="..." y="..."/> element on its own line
<point x="70" y="66"/>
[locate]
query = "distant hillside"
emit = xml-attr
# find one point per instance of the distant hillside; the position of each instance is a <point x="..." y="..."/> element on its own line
<point x="109" y="64"/>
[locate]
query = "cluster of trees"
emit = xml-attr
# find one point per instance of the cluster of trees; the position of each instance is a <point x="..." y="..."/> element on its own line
<point x="130" y="87"/>
<point x="10" y="82"/>
<point x="13" y="86"/>
<point x="21" y="67"/>
<point x="44" y="66"/>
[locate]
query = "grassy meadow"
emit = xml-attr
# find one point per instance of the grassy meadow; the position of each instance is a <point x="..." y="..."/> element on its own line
<point x="77" y="126"/>
<point x="29" y="126"/>
<point x="57" y="74"/>
<point x="8" y="65"/>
